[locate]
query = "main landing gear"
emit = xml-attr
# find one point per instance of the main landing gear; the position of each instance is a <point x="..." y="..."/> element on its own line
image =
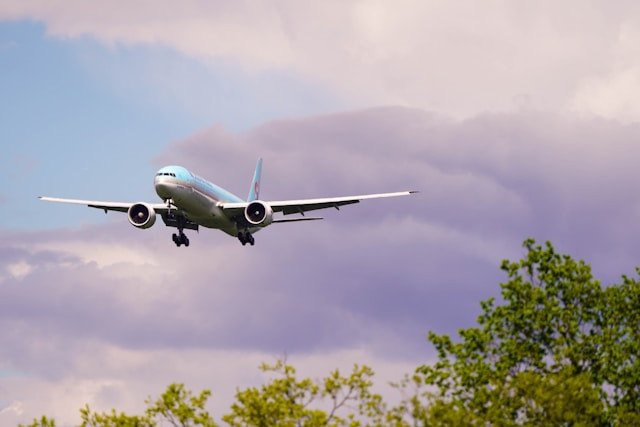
<point x="180" y="239"/>
<point x="246" y="237"/>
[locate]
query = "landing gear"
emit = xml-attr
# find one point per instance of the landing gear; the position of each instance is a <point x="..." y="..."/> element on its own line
<point x="246" y="237"/>
<point x="180" y="239"/>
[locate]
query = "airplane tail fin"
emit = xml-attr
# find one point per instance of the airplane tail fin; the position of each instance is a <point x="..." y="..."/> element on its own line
<point x="254" y="192"/>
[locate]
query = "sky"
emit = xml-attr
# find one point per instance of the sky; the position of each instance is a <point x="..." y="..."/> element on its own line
<point x="512" y="119"/>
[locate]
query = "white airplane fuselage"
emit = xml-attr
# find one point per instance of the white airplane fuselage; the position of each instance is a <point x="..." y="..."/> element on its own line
<point x="197" y="198"/>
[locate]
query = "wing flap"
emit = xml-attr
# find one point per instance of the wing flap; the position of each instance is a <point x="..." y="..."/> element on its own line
<point x="301" y="208"/>
<point x="296" y="219"/>
<point x="304" y="205"/>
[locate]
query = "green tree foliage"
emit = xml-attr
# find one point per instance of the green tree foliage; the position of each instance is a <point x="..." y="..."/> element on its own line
<point x="181" y="408"/>
<point x="42" y="422"/>
<point x="287" y="401"/>
<point x="176" y="405"/>
<point x="560" y="349"/>
<point x="113" y="419"/>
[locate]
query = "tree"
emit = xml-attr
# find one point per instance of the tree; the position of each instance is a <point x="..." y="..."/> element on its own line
<point x="561" y="349"/>
<point x="42" y="422"/>
<point x="287" y="401"/>
<point x="176" y="405"/>
<point x="181" y="408"/>
<point x="113" y="419"/>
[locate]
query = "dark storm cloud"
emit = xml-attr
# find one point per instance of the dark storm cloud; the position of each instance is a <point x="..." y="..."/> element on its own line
<point x="377" y="275"/>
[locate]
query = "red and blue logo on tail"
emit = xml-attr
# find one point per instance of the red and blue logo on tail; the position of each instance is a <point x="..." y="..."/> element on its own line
<point x="254" y="192"/>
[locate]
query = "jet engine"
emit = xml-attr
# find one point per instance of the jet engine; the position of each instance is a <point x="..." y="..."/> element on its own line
<point x="141" y="215"/>
<point x="258" y="213"/>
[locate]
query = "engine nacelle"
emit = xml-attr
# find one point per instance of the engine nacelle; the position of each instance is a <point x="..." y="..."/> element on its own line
<point x="141" y="215"/>
<point x="258" y="213"/>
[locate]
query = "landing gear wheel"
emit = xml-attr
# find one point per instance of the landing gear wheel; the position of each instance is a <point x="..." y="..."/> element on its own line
<point x="246" y="237"/>
<point x="180" y="239"/>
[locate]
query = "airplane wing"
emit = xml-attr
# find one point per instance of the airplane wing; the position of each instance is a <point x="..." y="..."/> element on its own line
<point x="106" y="206"/>
<point x="303" y="205"/>
<point x="169" y="216"/>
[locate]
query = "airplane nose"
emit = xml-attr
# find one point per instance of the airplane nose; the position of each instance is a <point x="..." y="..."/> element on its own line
<point x="162" y="189"/>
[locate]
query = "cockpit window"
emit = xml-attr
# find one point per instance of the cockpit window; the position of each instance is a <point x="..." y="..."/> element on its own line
<point x="166" y="174"/>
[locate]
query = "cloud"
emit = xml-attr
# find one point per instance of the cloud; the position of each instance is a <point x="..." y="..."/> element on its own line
<point x="611" y="92"/>
<point x="459" y="58"/>
<point x="113" y="314"/>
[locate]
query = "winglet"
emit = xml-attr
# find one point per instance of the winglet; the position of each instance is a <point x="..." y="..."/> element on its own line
<point x="254" y="191"/>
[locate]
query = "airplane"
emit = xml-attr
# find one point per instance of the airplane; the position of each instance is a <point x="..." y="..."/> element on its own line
<point x="191" y="202"/>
